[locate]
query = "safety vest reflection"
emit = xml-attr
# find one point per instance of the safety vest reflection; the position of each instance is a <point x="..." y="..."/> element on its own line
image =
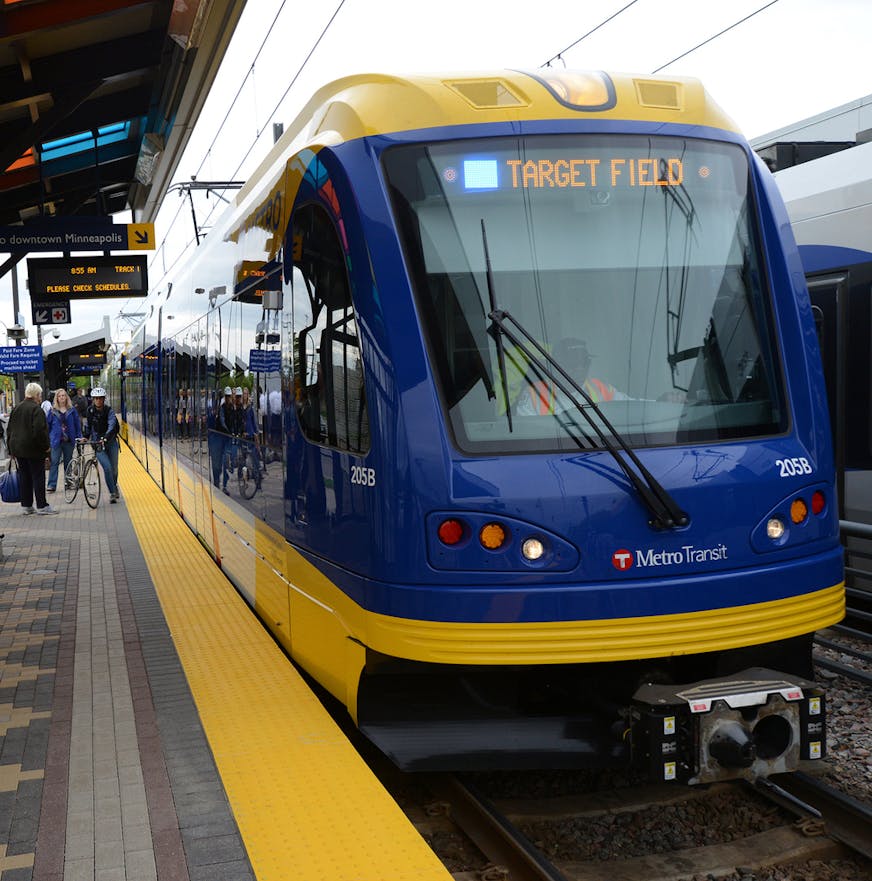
<point x="542" y="397"/>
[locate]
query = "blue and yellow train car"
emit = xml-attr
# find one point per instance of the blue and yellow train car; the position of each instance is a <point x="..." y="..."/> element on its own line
<point x="531" y="463"/>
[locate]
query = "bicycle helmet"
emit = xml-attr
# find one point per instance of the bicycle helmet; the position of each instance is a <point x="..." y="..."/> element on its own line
<point x="98" y="392"/>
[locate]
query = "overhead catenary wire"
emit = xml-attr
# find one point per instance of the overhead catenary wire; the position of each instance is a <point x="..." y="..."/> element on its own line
<point x="232" y="104"/>
<point x="294" y="79"/>
<point x="735" y="24"/>
<point x="559" y="55"/>
<point x="215" y="137"/>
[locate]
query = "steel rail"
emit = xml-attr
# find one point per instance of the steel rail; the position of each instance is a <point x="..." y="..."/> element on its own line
<point x="492" y="832"/>
<point x="847" y="819"/>
<point x="843" y="669"/>
<point x="852" y="631"/>
<point x="844" y="649"/>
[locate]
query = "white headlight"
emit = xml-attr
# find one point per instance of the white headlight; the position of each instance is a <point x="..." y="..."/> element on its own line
<point x="532" y="549"/>
<point x="775" y="528"/>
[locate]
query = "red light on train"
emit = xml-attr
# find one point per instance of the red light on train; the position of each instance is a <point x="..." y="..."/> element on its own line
<point x="818" y="502"/>
<point x="450" y="532"/>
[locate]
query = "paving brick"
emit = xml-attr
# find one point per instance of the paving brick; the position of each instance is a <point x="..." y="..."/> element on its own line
<point x="127" y="774"/>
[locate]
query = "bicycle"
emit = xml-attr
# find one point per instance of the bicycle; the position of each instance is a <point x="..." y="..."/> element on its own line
<point x="243" y="458"/>
<point x="84" y="472"/>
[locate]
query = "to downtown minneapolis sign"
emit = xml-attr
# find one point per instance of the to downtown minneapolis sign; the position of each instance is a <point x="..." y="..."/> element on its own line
<point x="77" y="234"/>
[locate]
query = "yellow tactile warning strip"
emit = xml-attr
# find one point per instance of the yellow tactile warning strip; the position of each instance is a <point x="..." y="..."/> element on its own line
<point x="307" y="806"/>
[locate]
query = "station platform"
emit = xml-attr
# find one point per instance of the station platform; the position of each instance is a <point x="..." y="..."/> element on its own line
<point x="150" y="728"/>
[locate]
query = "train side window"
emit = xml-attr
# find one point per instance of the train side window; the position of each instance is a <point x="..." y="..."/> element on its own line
<point x="331" y="399"/>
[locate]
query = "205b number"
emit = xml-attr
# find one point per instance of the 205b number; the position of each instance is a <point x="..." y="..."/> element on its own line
<point x="792" y="467"/>
<point x="362" y="476"/>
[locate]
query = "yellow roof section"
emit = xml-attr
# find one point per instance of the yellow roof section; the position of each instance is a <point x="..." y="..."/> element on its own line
<point x="371" y="104"/>
<point x="374" y="104"/>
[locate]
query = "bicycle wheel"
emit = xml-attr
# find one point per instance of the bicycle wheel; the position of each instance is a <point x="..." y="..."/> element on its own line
<point x="248" y="477"/>
<point x="72" y="478"/>
<point x="91" y="483"/>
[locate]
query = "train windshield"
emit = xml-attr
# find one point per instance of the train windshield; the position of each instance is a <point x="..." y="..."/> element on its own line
<point x="633" y="261"/>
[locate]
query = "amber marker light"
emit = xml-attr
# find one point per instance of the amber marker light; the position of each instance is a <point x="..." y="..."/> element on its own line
<point x="492" y="536"/>
<point x="450" y="532"/>
<point x="818" y="502"/>
<point x="798" y="510"/>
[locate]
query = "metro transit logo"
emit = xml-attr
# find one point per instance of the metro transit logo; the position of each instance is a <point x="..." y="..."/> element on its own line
<point x="623" y="559"/>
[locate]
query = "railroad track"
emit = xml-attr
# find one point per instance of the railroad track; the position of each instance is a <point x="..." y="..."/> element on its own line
<point x="483" y="832"/>
<point x="595" y="836"/>
<point x="845" y="818"/>
<point x="858" y="650"/>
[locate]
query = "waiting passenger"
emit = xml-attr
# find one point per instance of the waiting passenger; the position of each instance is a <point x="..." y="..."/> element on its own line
<point x="64" y="427"/>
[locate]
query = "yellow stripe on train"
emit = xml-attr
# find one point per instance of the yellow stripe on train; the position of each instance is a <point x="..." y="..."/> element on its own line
<point x="620" y="639"/>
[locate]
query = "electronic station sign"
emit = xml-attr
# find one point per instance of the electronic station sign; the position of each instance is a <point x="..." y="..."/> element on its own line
<point x="89" y="358"/>
<point x="86" y="278"/>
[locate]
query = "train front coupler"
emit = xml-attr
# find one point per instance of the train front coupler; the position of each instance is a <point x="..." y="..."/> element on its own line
<point x="752" y="724"/>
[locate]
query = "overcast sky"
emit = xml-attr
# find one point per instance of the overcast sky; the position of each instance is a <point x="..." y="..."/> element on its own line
<point x="790" y="60"/>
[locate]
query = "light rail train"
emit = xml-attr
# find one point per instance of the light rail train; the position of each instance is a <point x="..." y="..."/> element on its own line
<point x="829" y="202"/>
<point x="542" y="473"/>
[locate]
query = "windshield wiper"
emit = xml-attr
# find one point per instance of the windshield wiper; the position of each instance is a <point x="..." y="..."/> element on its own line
<point x="666" y="513"/>
<point x="501" y="355"/>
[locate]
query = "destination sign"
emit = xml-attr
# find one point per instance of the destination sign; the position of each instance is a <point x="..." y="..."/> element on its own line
<point x="84" y="278"/>
<point x="254" y="277"/>
<point x="86" y="358"/>
<point x="561" y="172"/>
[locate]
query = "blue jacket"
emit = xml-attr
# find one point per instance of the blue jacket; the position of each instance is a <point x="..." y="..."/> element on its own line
<point x="56" y="419"/>
<point x="250" y="429"/>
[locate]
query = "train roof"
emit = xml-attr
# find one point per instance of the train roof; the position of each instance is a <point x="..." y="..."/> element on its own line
<point x="377" y="103"/>
<point x="828" y="199"/>
<point x="829" y="183"/>
<point x="368" y="104"/>
<point x="372" y="104"/>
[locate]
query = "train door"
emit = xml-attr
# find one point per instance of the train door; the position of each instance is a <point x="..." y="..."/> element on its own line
<point x="328" y="430"/>
<point x="842" y="304"/>
<point x="151" y="399"/>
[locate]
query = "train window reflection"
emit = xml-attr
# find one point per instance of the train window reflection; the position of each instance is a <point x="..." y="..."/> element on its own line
<point x="331" y="396"/>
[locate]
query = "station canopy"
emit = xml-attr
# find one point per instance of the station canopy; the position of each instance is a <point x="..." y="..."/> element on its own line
<point x="98" y="99"/>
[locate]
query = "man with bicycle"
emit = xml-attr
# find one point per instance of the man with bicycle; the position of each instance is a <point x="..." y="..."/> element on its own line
<point x="101" y="425"/>
<point x="229" y="424"/>
<point x="249" y="430"/>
